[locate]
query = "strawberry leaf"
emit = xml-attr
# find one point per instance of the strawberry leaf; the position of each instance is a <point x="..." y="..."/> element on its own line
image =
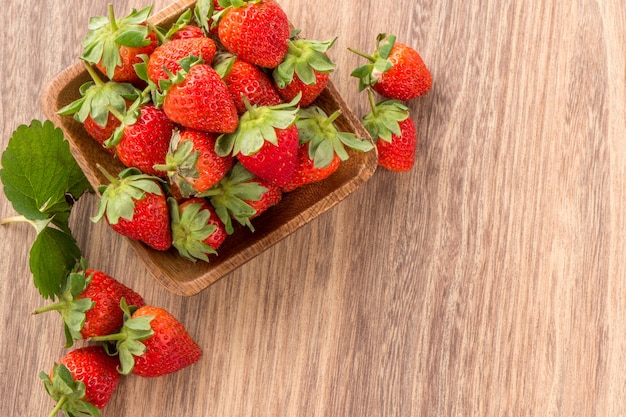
<point x="38" y="170"/>
<point x="42" y="180"/>
<point x="52" y="256"/>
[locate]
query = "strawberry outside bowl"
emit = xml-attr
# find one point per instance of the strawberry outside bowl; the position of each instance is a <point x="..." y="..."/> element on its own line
<point x="297" y="208"/>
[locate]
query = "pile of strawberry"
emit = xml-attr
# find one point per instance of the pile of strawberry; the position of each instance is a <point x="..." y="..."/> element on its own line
<point x="214" y="118"/>
<point x="126" y="336"/>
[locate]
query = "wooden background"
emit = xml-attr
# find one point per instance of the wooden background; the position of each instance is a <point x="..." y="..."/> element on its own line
<point x="488" y="281"/>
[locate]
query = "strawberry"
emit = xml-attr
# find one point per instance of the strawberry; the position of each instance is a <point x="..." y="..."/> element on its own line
<point x="306" y="171"/>
<point x="192" y="163"/>
<point x="198" y="98"/>
<point x="322" y="147"/>
<point x="143" y="137"/>
<point x="305" y="70"/>
<point x="390" y="125"/>
<point x="247" y="80"/>
<point x="90" y="304"/>
<point x="165" y="58"/>
<point x="92" y="108"/>
<point x="134" y="205"/>
<point x="265" y="142"/>
<point x="188" y="32"/>
<point x="83" y="381"/>
<point x="116" y="45"/>
<point x="152" y="343"/>
<point x="241" y="196"/>
<point x="257" y="31"/>
<point x="197" y="231"/>
<point x="395" y="70"/>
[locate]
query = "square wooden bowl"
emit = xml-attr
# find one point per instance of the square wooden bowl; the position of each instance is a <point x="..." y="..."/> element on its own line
<point x="297" y="208"/>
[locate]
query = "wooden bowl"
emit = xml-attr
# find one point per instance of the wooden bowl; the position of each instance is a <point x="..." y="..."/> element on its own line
<point x="176" y="274"/>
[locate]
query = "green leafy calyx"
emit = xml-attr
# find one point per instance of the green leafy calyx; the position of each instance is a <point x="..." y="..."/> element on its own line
<point x="97" y="97"/>
<point x="383" y="121"/>
<point x="229" y="197"/>
<point x="107" y="34"/>
<point x="256" y="126"/>
<point x="304" y="58"/>
<point x="181" y="164"/>
<point x="378" y="64"/>
<point x="67" y="392"/>
<point x="128" y="342"/>
<point x="119" y="196"/>
<point x="325" y="140"/>
<point x="72" y="308"/>
<point x="190" y="227"/>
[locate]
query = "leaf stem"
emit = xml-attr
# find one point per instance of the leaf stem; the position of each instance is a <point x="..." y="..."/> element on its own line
<point x="14" y="219"/>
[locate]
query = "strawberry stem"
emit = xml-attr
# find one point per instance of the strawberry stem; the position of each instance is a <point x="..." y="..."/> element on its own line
<point x="372" y="100"/>
<point x="94" y="76"/>
<point x="332" y="118"/>
<point x="58" y="406"/>
<point x="109" y="337"/>
<point x="106" y="174"/>
<point x="362" y="54"/>
<point x="50" y="307"/>
<point x="114" y="26"/>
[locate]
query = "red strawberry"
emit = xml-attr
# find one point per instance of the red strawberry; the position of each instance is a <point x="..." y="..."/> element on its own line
<point x="242" y="196"/>
<point x="90" y="304"/>
<point x="305" y="70"/>
<point x="169" y="349"/>
<point x="192" y="163"/>
<point x="247" y="80"/>
<point x="142" y="140"/>
<point x="198" y="98"/>
<point x="83" y="381"/>
<point x="306" y="171"/>
<point x="102" y="133"/>
<point x="265" y="142"/>
<point x="257" y="31"/>
<point x="153" y="343"/>
<point x="135" y="206"/>
<point x="116" y="45"/>
<point x="197" y="231"/>
<point x="187" y="32"/>
<point x="395" y="71"/>
<point x="390" y="125"/>
<point x="166" y="57"/>
<point x="92" y="108"/>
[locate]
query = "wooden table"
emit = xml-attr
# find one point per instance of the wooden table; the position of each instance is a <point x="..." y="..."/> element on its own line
<point x="488" y="281"/>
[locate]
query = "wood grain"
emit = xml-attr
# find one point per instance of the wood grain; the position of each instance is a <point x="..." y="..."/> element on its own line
<point x="488" y="281"/>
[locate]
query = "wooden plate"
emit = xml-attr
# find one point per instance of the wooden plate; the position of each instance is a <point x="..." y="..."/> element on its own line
<point x="297" y="208"/>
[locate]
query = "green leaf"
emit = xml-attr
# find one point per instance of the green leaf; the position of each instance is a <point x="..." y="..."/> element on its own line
<point x="52" y="256"/>
<point x="38" y="170"/>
